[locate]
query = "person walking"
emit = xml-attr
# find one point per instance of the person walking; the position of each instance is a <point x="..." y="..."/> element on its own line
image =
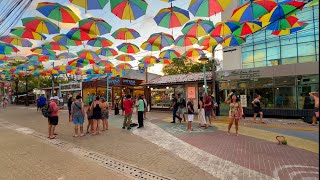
<point x="54" y="117"/>
<point x="90" y="120"/>
<point x="182" y="107"/>
<point x="141" y="109"/>
<point x="235" y="112"/>
<point x="315" y="113"/>
<point x="201" y="115"/>
<point x="207" y="108"/>
<point x="104" y="114"/>
<point x="70" y="101"/>
<point x="121" y="104"/>
<point x="127" y="106"/>
<point x="5" y="102"/>
<point x="214" y="105"/>
<point x="43" y="101"/>
<point x="174" y="107"/>
<point x="77" y="116"/>
<point x="96" y="115"/>
<point x="190" y="114"/>
<point x="257" y="109"/>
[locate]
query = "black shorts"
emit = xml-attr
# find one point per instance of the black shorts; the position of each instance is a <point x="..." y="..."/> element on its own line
<point x="54" y="120"/>
<point x="257" y="110"/>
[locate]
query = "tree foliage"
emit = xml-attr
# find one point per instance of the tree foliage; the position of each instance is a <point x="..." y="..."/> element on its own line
<point x="185" y="65"/>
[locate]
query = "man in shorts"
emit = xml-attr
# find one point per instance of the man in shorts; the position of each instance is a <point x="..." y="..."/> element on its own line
<point x="207" y="108"/>
<point x="127" y="106"/>
<point x="182" y="107"/>
<point x="315" y="113"/>
<point x="54" y="117"/>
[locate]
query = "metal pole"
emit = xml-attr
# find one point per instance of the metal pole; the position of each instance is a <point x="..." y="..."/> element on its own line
<point x="205" y="79"/>
<point x="108" y="88"/>
<point x="52" y="82"/>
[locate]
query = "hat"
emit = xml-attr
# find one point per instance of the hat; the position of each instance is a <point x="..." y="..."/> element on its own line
<point x="56" y="98"/>
<point x="51" y="98"/>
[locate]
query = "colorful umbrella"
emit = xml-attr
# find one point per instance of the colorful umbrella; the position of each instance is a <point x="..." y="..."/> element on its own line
<point x="7" y="49"/>
<point x="143" y="65"/>
<point x="88" y="54"/>
<point x="193" y="52"/>
<point x="128" y="9"/>
<point x="80" y="62"/>
<point x="14" y="40"/>
<point x="90" y="4"/>
<point x="3" y="57"/>
<point x="225" y="28"/>
<point x="107" y="52"/>
<point x="100" y="42"/>
<point x="253" y="10"/>
<point x="209" y="48"/>
<point x="125" y="34"/>
<point x="233" y="40"/>
<point x="128" y="48"/>
<point x="169" y="54"/>
<point x="38" y="57"/>
<point x="66" y="55"/>
<point x="314" y="3"/>
<point x="296" y="27"/>
<point x="40" y="25"/>
<point x="198" y="28"/>
<point x="105" y="64"/>
<point x="124" y="66"/>
<point x="149" y="47"/>
<point x="64" y="40"/>
<point x="248" y="27"/>
<point x="125" y="58"/>
<point x="79" y="34"/>
<point x="171" y="17"/>
<point x="54" y="46"/>
<point x="17" y="58"/>
<point x="209" y="41"/>
<point x="95" y="26"/>
<point x="183" y="41"/>
<point x="161" y="39"/>
<point x="168" y="1"/>
<point x="26" y="33"/>
<point x="165" y="61"/>
<point x="57" y="12"/>
<point x="42" y="50"/>
<point x="281" y="24"/>
<point x="149" y="60"/>
<point x="207" y="8"/>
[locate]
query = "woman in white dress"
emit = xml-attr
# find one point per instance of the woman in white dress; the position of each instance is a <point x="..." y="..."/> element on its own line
<point x="201" y="115"/>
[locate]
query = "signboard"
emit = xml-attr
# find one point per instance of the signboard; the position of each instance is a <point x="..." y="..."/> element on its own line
<point x="129" y="82"/>
<point x="191" y="93"/>
<point x="70" y="87"/>
<point x="243" y="100"/>
<point x="114" y="82"/>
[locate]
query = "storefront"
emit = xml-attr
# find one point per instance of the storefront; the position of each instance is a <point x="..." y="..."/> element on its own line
<point x="70" y="90"/>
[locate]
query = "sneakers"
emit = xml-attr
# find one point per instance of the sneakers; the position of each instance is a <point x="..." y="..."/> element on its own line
<point x="173" y="122"/>
<point x="128" y="128"/>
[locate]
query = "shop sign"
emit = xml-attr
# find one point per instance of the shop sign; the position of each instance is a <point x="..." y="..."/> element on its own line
<point x="114" y="81"/>
<point x="243" y="100"/>
<point x="191" y="93"/>
<point x="71" y="86"/>
<point x="128" y="82"/>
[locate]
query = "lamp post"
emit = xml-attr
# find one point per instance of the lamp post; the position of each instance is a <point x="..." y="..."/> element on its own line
<point x="204" y="59"/>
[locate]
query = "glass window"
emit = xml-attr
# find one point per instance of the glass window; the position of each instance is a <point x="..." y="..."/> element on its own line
<point x="289" y="60"/>
<point x="306" y="49"/>
<point x="284" y="81"/>
<point x="273" y="53"/>
<point x="247" y="57"/>
<point x="259" y="46"/>
<point x="273" y="62"/>
<point x="305" y="38"/>
<point x="247" y="65"/>
<point x="160" y="97"/>
<point x="260" y="63"/>
<point x="260" y="55"/>
<point x="289" y="54"/>
<point x="247" y="48"/>
<point x="285" y="97"/>
<point x="303" y="59"/>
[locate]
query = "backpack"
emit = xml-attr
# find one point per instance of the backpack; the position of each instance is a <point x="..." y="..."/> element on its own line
<point x="46" y="112"/>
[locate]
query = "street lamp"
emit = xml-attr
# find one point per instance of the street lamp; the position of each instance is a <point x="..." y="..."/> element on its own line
<point x="204" y="59"/>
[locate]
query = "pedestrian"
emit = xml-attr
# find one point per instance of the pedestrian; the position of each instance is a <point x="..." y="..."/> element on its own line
<point x="43" y="101"/>
<point x="70" y="101"/>
<point x="257" y="109"/>
<point x="38" y="104"/>
<point x="61" y="101"/>
<point x="127" y="106"/>
<point x="141" y="109"/>
<point x="174" y="107"/>
<point x="104" y="114"/>
<point x="5" y="102"/>
<point x="54" y="117"/>
<point x="190" y="114"/>
<point x="201" y="115"/>
<point x="207" y="108"/>
<point x="90" y="120"/>
<point x="315" y="113"/>
<point x="146" y="108"/>
<point x="121" y="104"/>
<point x="235" y="112"/>
<point x="77" y="116"/>
<point x="96" y="115"/>
<point x="116" y="106"/>
<point x="182" y="107"/>
<point x="214" y="107"/>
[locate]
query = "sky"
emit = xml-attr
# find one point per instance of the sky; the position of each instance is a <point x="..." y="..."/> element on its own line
<point x="145" y="25"/>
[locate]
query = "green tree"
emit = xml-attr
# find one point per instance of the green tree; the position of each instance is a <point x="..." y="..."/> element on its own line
<point x="184" y="65"/>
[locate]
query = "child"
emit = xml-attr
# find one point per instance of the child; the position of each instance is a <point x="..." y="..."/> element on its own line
<point x="89" y="115"/>
<point x="190" y="114"/>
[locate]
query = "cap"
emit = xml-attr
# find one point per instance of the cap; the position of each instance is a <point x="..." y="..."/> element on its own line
<point x="51" y="98"/>
<point x="56" y="98"/>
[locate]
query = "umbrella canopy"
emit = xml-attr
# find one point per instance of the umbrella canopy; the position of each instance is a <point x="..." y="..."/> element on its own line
<point x="282" y="24"/>
<point x="64" y="40"/>
<point x="128" y="9"/>
<point x="7" y="49"/>
<point x="207" y="8"/>
<point x="90" y="4"/>
<point x="40" y="25"/>
<point x="248" y="27"/>
<point x="183" y="41"/>
<point x="252" y="10"/>
<point x="79" y="34"/>
<point x="209" y="48"/>
<point x="149" y="60"/>
<point x="125" y="34"/>
<point x="80" y="62"/>
<point x="95" y="26"/>
<point x="88" y="54"/>
<point x="26" y="33"/>
<point x="104" y="64"/>
<point x="145" y="65"/>
<point x="225" y="28"/>
<point x="168" y="0"/>
<point x="3" y="57"/>
<point x="164" y="61"/>
<point x="171" y="17"/>
<point x="124" y="66"/>
<point x="198" y="28"/>
<point x="43" y="50"/>
<point x="233" y="40"/>
<point x="128" y="48"/>
<point x="54" y="46"/>
<point x="149" y="47"/>
<point x="314" y="3"/>
<point x="14" y="40"/>
<point x="107" y="52"/>
<point x="296" y="27"/>
<point x="194" y="52"/>
<point x="209" y="41"/>
<point x="17" y="58"/>
<point x="100" y="42"/>
<point x="57" y="12"/>
<point x="125" y="58"/>
<point x="169" y="54"/>
<point x="161" y="39"/>
<point x="66" y="55"/>
<point x="38" y="57"/>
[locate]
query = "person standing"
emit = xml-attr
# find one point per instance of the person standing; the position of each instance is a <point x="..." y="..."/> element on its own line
<point x="43" y="101"/>
<point x="127" y="106"/>
<point x="146" y="108"/>
<point x="5" y="102"/>
<point x="207" y="108"/>
<point x="38" y="104"/>
<point x="96" y="115"/>
<point x="90" y="120"/>
<point x="315" y="113"/>
<point x="235" y="112"/>
<point x="182" y="107"/>
<point x="201" y="115"/>
<point x="54" y="117"/>
<point x="105" y="114"/>
<point x="70" y="101"/>
<point x="257" y="109"/>
<point x="77" y="116"/>
<point x="190" y="114"/>
<point x="121" y="104"/>
<point x="116" y="106"/>
<point x="174" y="107"/>
<point x="141" y="109"/>
<point x="214" y="105"/>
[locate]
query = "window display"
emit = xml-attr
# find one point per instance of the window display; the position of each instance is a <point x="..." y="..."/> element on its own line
<point x="160" y="97"/>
